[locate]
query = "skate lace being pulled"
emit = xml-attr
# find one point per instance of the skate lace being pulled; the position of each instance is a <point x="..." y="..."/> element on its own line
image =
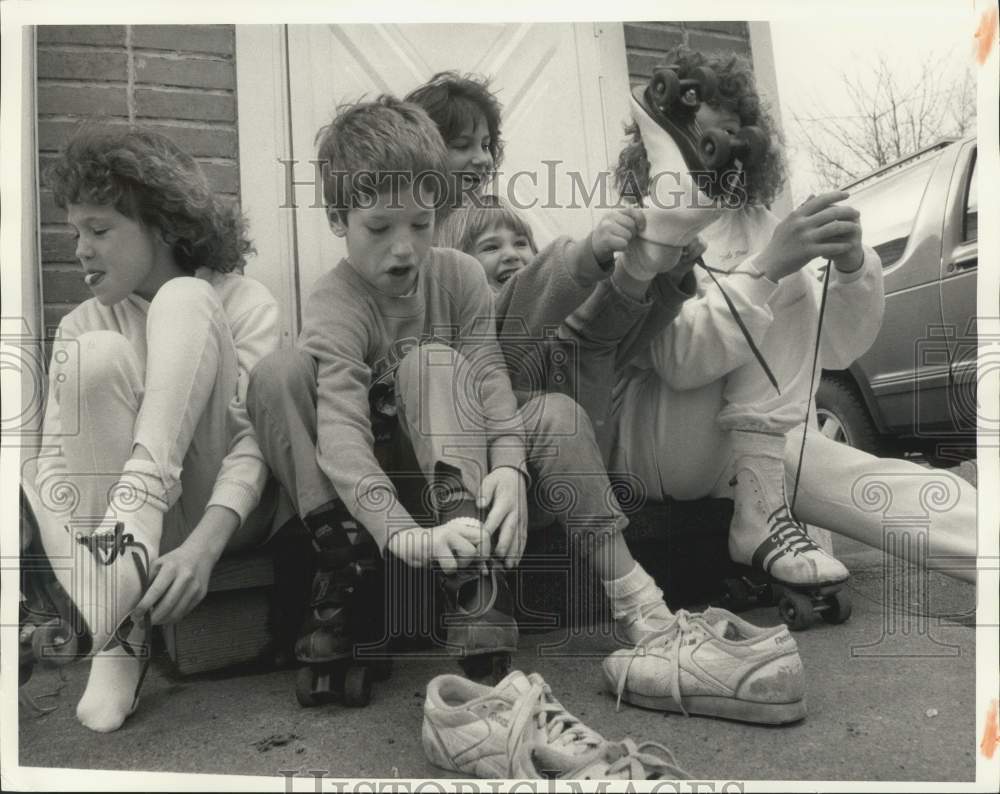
<point x="645" y="761"/>
<point x="674" y="635"/>
<point x="789" y="533"/>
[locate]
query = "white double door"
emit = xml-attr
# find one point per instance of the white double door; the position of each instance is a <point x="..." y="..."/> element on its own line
<point x="563" y="88"/>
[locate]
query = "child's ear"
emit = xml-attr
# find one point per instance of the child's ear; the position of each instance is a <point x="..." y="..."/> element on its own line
<point x="337" y="222"/>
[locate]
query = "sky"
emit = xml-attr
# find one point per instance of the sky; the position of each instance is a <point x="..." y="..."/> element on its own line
<point x="810" y="58"/>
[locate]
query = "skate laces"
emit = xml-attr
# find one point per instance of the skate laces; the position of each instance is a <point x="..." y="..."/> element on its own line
<point x="107" y="547"/>
<point x="642" y="761"/>
<point x="789" y="534"/>
<point x="675" y="635"/>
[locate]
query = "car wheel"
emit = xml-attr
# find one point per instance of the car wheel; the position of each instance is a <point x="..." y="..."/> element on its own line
<point x="842" y="416"/>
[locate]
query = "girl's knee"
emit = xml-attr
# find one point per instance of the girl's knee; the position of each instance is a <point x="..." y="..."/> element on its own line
<point x="184" y="298"/>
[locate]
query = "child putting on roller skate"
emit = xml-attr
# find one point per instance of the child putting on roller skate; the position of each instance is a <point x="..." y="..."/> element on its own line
<point x="397" y="349"/>
<point x="149" y="468"/>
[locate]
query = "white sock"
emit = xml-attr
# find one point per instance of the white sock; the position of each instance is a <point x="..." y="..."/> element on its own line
<point x="106" y="594"/>
<point x="110" y="696"/>
<point x="635" y="591"/>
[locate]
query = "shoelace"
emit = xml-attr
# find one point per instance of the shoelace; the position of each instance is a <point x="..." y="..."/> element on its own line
<point x="561" y="728"/>
<point x="675" y="635"/>
<point x="789" y="532"/>
<point x="640" y="762"/>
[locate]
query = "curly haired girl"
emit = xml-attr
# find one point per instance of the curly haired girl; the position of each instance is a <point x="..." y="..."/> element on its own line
<point x="150" y="467"/>
<point x="736" y="104"/>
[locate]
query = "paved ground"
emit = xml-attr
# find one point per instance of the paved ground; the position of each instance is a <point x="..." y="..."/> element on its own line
<point x="890" y="696"/>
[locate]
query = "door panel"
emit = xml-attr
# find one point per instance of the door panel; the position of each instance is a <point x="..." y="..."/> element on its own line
<point x="548" y="78"/>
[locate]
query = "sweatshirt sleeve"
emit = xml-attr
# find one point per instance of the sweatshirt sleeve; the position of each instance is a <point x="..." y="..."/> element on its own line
<point x="336" y="331"/>
<point x="504" y="430"/>
<point x="855" y="305"/>
<point x="560" y="278"/>
<point x="704" y="342"/>
<point x="243" y="474"/>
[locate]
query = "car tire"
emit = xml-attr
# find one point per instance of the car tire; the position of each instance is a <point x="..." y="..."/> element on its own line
<point x="843" y="416"/>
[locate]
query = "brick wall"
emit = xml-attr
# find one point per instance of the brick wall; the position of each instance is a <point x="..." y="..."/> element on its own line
<point x="645" y="42"/>
<point x="177" y="79"/>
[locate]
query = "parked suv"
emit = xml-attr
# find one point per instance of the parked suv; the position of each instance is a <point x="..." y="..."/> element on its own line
<point x="915" y="388"/>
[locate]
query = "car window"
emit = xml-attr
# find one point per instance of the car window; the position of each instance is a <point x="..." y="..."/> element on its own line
<point x="970" y="224"/>
<point x="889" y="207"/>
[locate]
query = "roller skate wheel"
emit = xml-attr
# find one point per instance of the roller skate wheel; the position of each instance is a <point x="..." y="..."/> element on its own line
<point x="305" y="688"/>
<point x="357" y="686"/>
<point x="716" y="148"/>
<point x="738" y="595"/>
<point x="54" y="643"/>
<point x="796" y="611"/>
<point x="838" y="607"/>
<point x="666" y="88"/>
<point x="708" y="84"/>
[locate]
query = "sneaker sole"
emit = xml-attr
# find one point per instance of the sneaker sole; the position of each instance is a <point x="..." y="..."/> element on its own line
<point x="726" y="708"/>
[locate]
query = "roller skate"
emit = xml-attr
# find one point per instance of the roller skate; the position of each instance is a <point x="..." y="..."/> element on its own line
<point x="343" y="609"/>
<point x="671" y="100"/>
<point x="779" y="563"/>
<point x="479" y="608"/>
<point x="51" y="630"/>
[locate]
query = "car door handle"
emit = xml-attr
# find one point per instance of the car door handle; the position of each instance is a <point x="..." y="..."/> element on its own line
<point x="965" y="262"/>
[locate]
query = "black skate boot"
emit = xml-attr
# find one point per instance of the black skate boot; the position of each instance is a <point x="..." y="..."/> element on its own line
<point x="346" y="560"/>
<point x="479" y="608"/>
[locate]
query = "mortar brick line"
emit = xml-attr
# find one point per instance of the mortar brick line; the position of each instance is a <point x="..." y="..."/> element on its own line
<point x="182" y="55"/>
<point x="192" y="124"/>
<point x="714" y="34"/>
<point x="83" y="82"/>
<point x="130" y="70"/>
<point x="85" y="49"/>
<point x="173" y="89"/>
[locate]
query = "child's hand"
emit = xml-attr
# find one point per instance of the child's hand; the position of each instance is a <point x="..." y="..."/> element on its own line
<point x="615" y="230"/>
<point x="855" y="256"/>
<point x="178" y="583"/>
<point x="690" y="255"/>
<point x="503" y="489"/>
<point x="818" y="228"/>
<point x="451" y="545"/>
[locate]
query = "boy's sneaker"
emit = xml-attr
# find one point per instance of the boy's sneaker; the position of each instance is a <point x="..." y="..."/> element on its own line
<point x="716" y="664"/>
<point x="518" y="730"/>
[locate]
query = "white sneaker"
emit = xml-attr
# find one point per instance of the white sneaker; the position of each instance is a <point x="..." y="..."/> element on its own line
<point x="518" y="730"/>
<point x="716" y="664"/>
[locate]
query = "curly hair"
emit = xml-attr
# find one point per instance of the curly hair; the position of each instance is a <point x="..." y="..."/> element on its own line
<point x="147" y="177"/>
<point x="737" y="91"/>
<point x="453" y="101"/>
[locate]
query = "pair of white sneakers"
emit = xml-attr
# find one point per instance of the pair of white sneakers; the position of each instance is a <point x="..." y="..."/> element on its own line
<point x="710" y="663"/>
